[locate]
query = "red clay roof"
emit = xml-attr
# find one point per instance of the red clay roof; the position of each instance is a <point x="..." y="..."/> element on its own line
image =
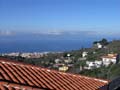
<point x="110" y="56"/>
<point x="18" y="76"/>
<point x="12" y="86"/>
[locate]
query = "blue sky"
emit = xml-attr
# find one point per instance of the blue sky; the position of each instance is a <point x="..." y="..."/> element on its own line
<point x="60" y="15"/>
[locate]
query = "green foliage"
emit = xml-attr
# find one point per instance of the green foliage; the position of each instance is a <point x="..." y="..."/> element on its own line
<point x="114" y="71"/>
<point x="98" y="73"/>
<point x="95" y="42"/>
<point x="82" y="63"/>
<point x="104" y="42"/>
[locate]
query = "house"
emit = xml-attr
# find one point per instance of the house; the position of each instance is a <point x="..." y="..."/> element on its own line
<point x="63" y="68"/>
<point x="67" y="61"/>
<point x="19" y="76"/>
<point x="98" y="45"/>
<point x="90" y="65"/>
<point x="58" y="61"/>
<point x="84" y="54"/>
<point x="26" y="55"/>
<point x="68" y="55"/>
<point x="82" y="59"/>
<point x="16" y="54"/>
<point x="109" y="59"/>
<point x="98" y="64"/>
<point x="93" y="64"/>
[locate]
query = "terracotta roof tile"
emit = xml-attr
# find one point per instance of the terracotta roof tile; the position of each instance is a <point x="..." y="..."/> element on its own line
<point x="19" y="76"/>
<point x="12" y="86"/>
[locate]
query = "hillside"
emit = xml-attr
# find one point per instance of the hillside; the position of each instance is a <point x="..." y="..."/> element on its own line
<point x="93" y="54"/>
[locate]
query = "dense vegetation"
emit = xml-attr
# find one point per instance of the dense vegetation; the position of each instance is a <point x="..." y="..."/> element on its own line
<point x="109" y="73"/>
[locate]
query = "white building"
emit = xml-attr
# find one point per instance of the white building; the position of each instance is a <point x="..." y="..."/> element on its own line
<point x="98" y="64"/>
<point x="90" y="65"/>
<point x="26" y="55"/>
<point x="99" y="45"/>
<point x="67" y="61"/>
<point x="58" y="60"/>
<point x="110" y="58"/>
<point x="13" y="54"/>
<point x="63" y="68"/>
<point x="93" y="64"/>
<point x="68" y="55"/>
<point x="84" y="54"/>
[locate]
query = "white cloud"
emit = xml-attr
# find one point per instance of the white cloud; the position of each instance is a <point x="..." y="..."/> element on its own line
<point x="49" y="33"/>
<point x="6" y="33"/>
<point x="62" y="32"/>
<point x="104" y="33"/>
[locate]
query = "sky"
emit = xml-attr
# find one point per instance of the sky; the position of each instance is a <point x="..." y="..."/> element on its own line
<point x="60" y="15"/>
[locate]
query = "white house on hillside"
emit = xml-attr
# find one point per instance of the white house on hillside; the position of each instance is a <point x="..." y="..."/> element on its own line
<point x="90" y="65"/>
<point x="67" y="61"/>
<point x="58" y="60"/>
<point x="98" y="64"/>
<point x="98" y="45"/>
<point x="93" y="64"/>
<point x="110" y="58"/>
<point x="84" y="54"/>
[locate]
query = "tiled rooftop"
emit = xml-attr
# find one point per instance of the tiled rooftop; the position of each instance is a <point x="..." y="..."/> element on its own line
<point x="19" y="76"/>
<point x="111" y="56"/>
<point x="12" y="86"/>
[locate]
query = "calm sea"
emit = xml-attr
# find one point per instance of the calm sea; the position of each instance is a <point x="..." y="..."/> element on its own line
<point x="43" y="44"/>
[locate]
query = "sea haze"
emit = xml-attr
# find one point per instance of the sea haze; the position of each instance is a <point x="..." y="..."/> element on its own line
<point x="46" y="42"/>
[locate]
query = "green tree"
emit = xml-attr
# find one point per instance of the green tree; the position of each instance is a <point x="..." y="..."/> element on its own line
<point x="95" y="42"/>
<point x="104" y="41"/>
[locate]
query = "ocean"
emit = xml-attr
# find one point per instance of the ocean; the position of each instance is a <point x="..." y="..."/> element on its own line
<point x="42" y="45"/>
<point x="31" y="43"/>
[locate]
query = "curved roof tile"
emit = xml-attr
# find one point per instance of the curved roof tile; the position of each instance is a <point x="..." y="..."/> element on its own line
<point x="19" y="76"/>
